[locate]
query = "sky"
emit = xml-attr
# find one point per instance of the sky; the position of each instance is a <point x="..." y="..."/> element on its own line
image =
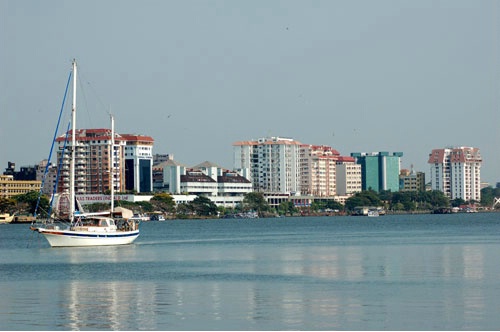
<point x="197" y="76"/>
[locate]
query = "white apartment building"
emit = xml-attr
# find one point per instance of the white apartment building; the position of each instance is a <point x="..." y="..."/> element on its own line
<point x="456" y="172"/>
<point x="348" y="176"/>
<point x="272" y="164"/>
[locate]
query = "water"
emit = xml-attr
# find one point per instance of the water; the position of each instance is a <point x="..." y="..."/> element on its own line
<point x="415" y="272"/>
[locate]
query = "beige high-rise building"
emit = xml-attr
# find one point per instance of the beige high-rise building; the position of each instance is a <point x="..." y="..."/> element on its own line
<point x="318" y="169"/>
<point x="348" y="176"/>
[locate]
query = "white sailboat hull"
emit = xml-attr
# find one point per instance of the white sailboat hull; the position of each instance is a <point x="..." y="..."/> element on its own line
<point x="68" y="238"/>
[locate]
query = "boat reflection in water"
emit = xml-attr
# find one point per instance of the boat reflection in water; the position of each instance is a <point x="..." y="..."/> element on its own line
<point x="318" y="288"/>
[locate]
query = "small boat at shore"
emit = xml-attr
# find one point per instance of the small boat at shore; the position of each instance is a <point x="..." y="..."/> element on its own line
<point x="6" y="218"/>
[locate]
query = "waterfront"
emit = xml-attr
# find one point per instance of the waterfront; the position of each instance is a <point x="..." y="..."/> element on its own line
<point x="398" y="272"/>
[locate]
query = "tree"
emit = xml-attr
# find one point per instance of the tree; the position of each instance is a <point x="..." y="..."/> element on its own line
<point x="7" y="205"/>
<point x="364" y="198"/>
<point x="96" y="207"/>
<point x="203" y="206"/>
<point x="184" y="209"/>
<point x="405" y="199"/>
<point x="323" y="204"/>
<point x="28" y="203"/>
<point x="488" y="195"/>
<point x="457" y="202"/>
<point x="255" y="201"/>
<point x="334" y="205"/>
<point x="437" y="199"/>
<point x="386" y="195"/>
<point x="163" y="202"/>
<point x="287" y="208"/>
<point x="136" y="206"/>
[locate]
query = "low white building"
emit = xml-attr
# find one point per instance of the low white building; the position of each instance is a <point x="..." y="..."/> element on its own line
<point x="223" y="187"/>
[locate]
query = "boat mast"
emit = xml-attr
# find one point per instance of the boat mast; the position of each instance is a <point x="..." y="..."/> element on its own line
<point x="73" y="150"/>
<point x="112" y="168"/>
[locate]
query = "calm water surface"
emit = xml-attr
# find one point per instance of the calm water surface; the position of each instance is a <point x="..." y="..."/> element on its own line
<point x="416" y="272"/>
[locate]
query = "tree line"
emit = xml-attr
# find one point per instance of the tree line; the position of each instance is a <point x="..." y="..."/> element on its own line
<point x="203" y="207"/>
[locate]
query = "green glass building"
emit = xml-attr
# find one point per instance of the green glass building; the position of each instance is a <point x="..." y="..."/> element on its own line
<point x="379" y="170"/>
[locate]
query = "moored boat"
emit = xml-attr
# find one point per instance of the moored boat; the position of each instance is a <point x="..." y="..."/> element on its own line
<point x="6" y="218"/>
<point x="85" y="229"/>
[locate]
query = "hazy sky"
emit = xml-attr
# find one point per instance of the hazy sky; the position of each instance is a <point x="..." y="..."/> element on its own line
<point x="197" y="76"/>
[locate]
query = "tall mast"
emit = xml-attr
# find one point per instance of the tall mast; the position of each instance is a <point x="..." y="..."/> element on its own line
<point x="112" y="168"/>
<point x="73" y="149"/>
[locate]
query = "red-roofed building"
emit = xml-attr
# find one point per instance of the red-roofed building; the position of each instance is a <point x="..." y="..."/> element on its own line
<point x="131" y="162"/>
<point x="317" y="167"/>
<point x="280" y="165"/>
<point x="456" y="172"/>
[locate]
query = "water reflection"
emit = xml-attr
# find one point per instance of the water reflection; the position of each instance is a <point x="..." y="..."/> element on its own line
<point x="105" y="305"/>
<point x="226" y="285"/>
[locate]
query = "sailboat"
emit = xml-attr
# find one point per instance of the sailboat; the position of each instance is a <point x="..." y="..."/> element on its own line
<point x="86" y="229"/>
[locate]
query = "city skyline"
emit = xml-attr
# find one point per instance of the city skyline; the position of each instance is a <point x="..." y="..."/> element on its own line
<point x="198" y="76"/>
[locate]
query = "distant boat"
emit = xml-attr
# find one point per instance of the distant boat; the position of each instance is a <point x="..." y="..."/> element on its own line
<point x="373" y="213"/>
<point x="6" y="218"/>
<point x="85" y="229"/>
<point x="242" y="215"/>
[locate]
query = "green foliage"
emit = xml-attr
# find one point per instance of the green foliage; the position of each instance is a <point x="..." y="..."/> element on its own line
<point x="255" y="201"/>
<point x="163" y="202"/>
<point x="436" y="198"/>
<point x="183" y="210"/>
<point x="364" y="198"/>
<point x="488" y="195"/>
<point x="334" y="205"/>
<point x="386" y="195"/>
<point x="399" y="201"/>
<point x="26" y="203"/>
<point x="96" y="207"/>
<point x="203" y="206"/>
<point x="7" y="205"/>
<point x="287" y="208"/>
<point x="457" y="202"/>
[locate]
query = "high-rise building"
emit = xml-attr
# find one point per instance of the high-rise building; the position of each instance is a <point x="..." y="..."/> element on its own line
<point x="348" y="175"/>
<point x="318" y="167"/>
<point x="138" y="163"/>
<point x="129" y="162"/>
<point x="272" y="164"/>
<point x="457" y="172"/>
<point x="379" y="170"/>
